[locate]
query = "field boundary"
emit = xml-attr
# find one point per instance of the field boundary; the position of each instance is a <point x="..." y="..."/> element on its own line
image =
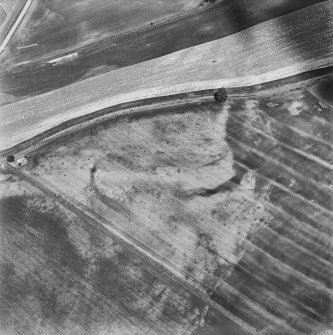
<point x="144" y="107"/>
<point x="270" y="51"/>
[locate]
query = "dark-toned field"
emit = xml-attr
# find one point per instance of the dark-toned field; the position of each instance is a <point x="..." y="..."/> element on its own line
<point x="234" y="200"/>
<point x="61" y="27"/>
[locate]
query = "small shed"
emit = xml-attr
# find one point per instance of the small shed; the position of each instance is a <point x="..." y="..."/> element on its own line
<point x="18" y="162"/>
<point x="21" y="162"/>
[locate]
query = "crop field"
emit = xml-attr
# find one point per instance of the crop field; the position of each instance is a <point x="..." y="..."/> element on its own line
<point x="221" y="196"/>
<point x="62" y="274"/>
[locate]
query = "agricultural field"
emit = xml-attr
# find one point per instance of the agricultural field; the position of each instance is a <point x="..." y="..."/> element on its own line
<point x="63" y="274"/>
<point x="167" y="168"/>
<point x="234" y="199"/>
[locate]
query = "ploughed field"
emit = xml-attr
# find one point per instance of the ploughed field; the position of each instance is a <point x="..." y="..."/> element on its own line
<point x="235" y="200"/>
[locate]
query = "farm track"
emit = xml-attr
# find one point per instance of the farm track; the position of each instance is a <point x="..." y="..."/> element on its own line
<point x="146" y="106"/>
<point x="270" y="56"/>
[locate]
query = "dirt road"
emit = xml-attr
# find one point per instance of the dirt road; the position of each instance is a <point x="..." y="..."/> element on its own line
<point x="257" y="55"/>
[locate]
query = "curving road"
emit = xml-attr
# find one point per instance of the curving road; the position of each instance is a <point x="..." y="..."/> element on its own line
<point x="282" y="47"/>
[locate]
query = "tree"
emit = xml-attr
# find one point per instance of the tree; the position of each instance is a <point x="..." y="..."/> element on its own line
<point x="10" y="158"/>
<point x="221" y="95"/>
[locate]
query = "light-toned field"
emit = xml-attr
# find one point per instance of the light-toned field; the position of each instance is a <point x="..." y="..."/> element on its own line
<point x="272" y="50"/>
<point x="219" y="196"/>
<point x="141" y="175"/>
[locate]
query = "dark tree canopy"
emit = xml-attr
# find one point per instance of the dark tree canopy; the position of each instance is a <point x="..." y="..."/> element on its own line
<point x="10" y="158"/>
<point x="221" y="95"/>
